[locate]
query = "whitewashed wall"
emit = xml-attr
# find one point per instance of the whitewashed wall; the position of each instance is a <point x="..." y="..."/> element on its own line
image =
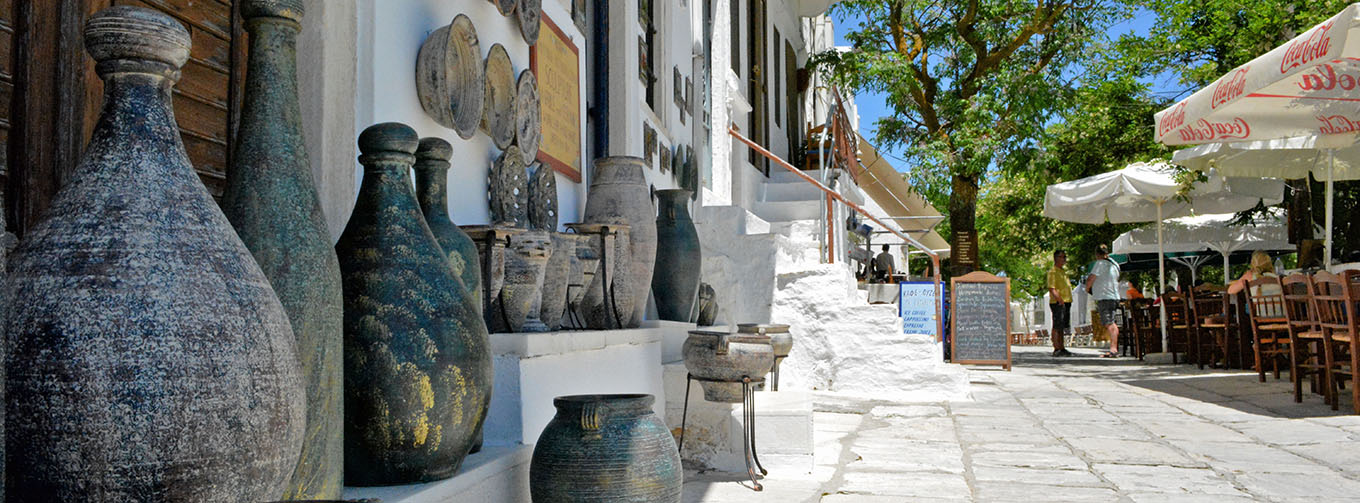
<point x="390" y="33"/>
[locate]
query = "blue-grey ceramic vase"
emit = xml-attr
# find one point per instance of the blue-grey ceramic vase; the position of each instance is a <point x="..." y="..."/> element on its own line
<point x="272" y="202"/>
<point x="432" y="183"/>
<point x="605" y="448"/>
<point x="619" y="192"/>
<point x="675" y="283"/>
<point x="417" y="362"/>
<point x="149" y="359"/>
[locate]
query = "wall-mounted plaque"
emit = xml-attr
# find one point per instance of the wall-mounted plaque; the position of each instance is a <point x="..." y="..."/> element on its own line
<point x="555" y="60"/>
<point x="648" y="143"/>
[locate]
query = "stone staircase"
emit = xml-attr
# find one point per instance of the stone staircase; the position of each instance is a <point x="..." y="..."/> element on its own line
<point x="841" y="343"/>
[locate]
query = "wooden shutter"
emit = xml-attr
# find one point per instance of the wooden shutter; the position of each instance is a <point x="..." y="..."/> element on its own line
<point x="207" y="96"/>
<point x="50" y="96"/>
<point x="6" y="80"/>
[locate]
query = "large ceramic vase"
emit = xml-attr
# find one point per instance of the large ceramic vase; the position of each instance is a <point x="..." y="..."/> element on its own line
<point x="605" y="448"/>
<point x="417" y="360"/>
<point x="149" y="359"/>
<point x="618" y="189"/>
<point x="432" y="182"/>
<point x="491" y="244"/>
<point x="720" y="360"/>
<point x="517" y="307"/>
<point x="272" y="202"/>
<point x="556" y="278"/>
<point x="675" y="283"/>
<point x="605" y="301"/>
<point x="781" y="343"/>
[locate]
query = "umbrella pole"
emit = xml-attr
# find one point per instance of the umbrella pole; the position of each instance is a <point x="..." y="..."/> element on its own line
<point x="1225" y="267"/>
<point x="1331" y="170"/>
<point x="1161" y="275"/>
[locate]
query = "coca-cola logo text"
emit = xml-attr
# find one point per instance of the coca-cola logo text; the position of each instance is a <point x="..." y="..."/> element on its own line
<point x="1325" y="78"/>
<point x="1172" y="120"/>
<point x="1305" y="49"/>
<point x="1202" y="131"/>
<point x="1229" y="88"/>
<point x="1337" y="124"/>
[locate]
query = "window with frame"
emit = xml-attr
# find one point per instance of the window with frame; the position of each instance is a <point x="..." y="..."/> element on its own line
<point x="647" y="52"/>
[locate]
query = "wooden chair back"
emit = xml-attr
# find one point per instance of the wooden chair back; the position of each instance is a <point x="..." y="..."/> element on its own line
<point x="1297" y="292"/>
<point x="1265" y="301"/>
<point x="1329" y="302"/>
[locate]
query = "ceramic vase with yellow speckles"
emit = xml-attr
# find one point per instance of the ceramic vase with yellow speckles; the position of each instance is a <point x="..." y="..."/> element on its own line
<point x="417" y="361"/>
<point x="432" y="182"/>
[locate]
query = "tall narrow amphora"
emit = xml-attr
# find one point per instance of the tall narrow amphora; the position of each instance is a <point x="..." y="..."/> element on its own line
<point x="618" y="189"/>
<point x="417" y="361"/>
<point x="432" y="184"/>
<point x="675" y="283"/>
<point x="272" y="202"/>
<point x="149" y="359"/>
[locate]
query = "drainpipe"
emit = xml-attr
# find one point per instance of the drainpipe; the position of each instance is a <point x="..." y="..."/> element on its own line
<point x="600" y="66"/>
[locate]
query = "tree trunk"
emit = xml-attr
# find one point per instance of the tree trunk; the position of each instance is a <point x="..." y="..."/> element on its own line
<point x="962" y="222"/>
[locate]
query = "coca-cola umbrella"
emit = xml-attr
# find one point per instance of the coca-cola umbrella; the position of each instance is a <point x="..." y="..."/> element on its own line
<point x="1307" y="90"/>
<point x="1149" y="192"/>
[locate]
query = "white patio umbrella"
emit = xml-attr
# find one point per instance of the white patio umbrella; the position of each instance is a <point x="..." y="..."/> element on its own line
<point x="1288" y="158"/>
<point x="1195" y="233"/>
<point x="1147" y="192"/>
<point x="1307" y="90"/>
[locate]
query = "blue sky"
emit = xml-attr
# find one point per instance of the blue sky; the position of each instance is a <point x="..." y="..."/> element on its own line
<point x="872" y="105"/>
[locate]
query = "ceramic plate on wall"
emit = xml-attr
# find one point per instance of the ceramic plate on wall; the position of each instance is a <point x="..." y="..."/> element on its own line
<point x="498" y="113"/>
<point x="528" y="126"/>
<point x="450" y="79"/>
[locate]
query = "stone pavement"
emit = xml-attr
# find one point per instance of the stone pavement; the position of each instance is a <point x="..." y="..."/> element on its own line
<point x="1074" y="429"/>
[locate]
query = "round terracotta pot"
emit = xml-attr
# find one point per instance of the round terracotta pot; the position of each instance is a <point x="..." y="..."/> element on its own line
<point x="619" y="190"/>
<point x="605" y="448"/>
<point x="720" y="360"/>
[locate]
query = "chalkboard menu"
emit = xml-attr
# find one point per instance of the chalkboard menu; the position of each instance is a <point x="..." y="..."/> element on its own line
<point x="980" y="319"/>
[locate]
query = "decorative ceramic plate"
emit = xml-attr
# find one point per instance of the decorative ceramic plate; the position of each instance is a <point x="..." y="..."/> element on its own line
<point x="498" y="113"/>
<point x="450" y="79"/>
<point x="528" y="125"/>
<point x="529" y="12"/>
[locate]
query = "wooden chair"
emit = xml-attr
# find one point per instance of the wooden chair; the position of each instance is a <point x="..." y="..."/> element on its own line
<point x="1305" y="336"/>
<point x="1269" y="327"/>
<point x="1352" y="281"/>
<point x="1210" y="331"/>
<point x="1143" y="321"/>
<point x="1335" y="318"/>
<point x="1177" y="325"/>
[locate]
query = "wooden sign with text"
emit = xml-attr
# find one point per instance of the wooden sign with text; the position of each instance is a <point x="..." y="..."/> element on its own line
<point x="980" y="319"/>
<point x="965" y="251"/>
<point x="555" y="61"/>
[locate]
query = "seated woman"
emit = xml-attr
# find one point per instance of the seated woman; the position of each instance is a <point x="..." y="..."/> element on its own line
<point x="1261" y="267"/>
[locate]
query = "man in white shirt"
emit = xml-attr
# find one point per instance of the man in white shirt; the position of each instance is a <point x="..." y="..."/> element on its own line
<point x="1102" y="281"/>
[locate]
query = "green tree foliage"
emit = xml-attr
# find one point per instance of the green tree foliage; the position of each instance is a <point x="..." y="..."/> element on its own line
<point x="1104" y="126"/>
<point x="970" y="81"/>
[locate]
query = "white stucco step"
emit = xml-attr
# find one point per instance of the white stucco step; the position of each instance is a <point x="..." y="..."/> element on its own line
<point x="713" y="431"/>
<point x="494" y="475"/>
<point x="791" y="191"/>
<point x="533" y="368"/>
<point x="729" y="221"/>
<point x="783" y="211"/>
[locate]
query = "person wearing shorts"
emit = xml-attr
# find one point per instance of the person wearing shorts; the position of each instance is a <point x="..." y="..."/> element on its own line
<point x="1102" y="281"/>
<point x="1059" y="302"/>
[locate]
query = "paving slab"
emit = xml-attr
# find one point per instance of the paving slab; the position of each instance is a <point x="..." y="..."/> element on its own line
<point x="1166" y="479"/>
<point x="1073" y="429"/>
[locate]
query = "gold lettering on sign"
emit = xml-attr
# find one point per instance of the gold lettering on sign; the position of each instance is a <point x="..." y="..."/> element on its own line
<point x="555" y="61"/>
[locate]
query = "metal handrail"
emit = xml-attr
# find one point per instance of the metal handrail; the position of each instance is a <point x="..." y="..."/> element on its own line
<point x="833" y="195"/>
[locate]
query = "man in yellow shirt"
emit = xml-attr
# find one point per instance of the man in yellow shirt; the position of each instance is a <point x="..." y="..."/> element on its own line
<point x="1059" y="302"/>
